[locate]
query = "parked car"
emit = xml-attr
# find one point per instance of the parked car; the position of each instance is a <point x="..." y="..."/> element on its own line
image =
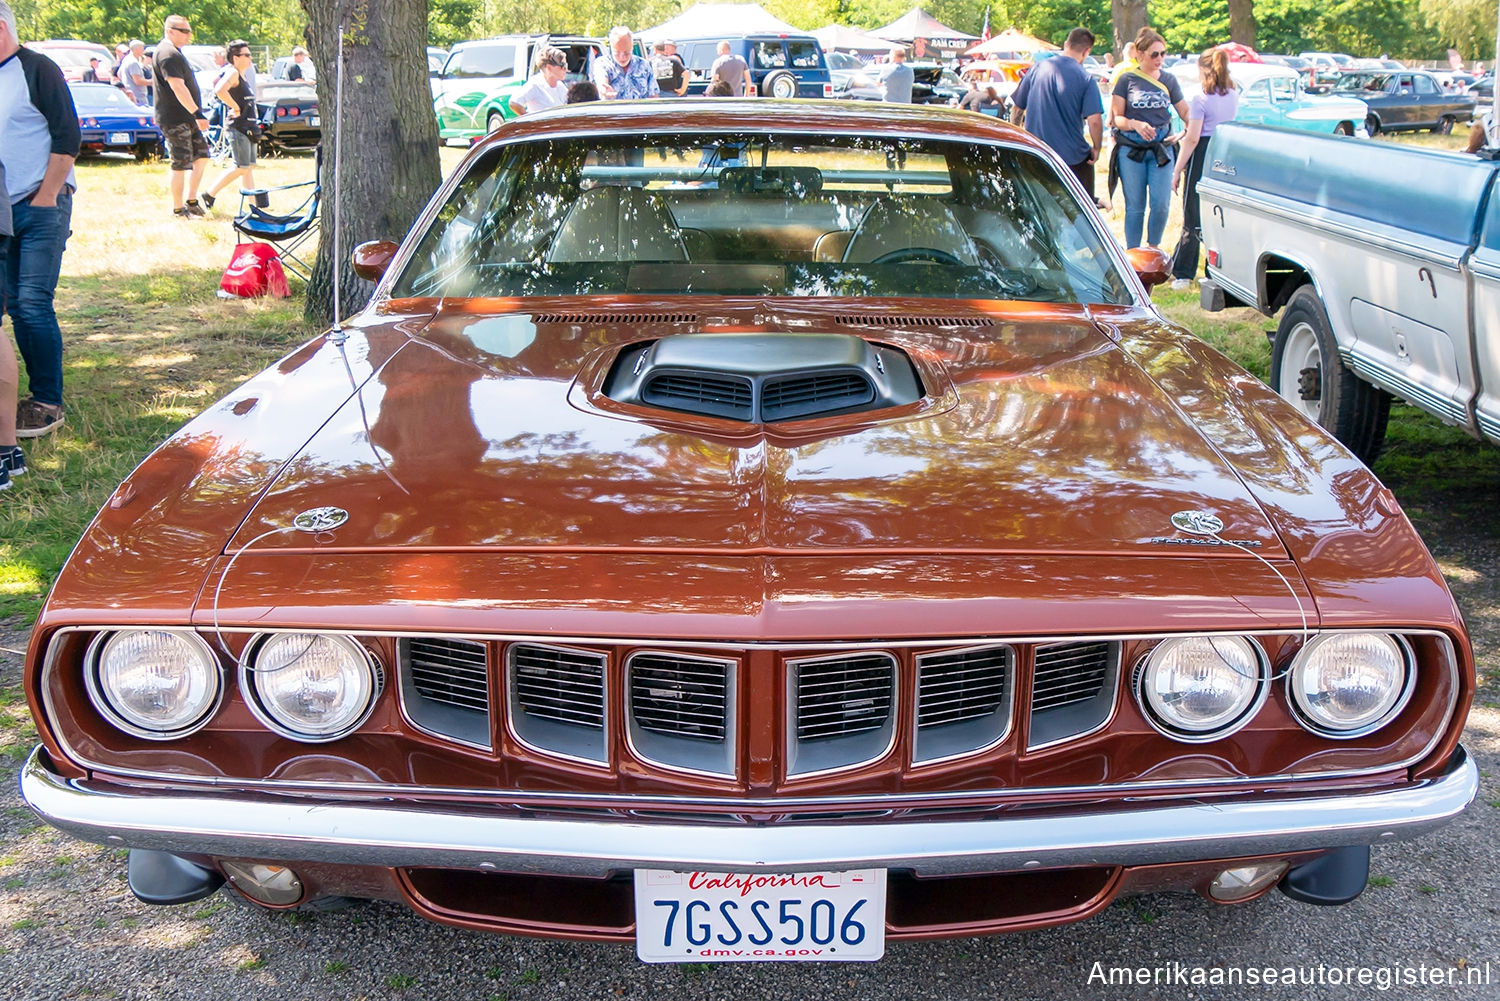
<point x="1483" y="89"/>
<point x="751" y="530"/>
<point x="72" y="56"/>
<point x="282" y="64"/>
<point x="435" y="59"/>
<point x="780" y="65"/>
<point x="1327" y="66"/>
<point x="1385" y="289"/>
<point x="288" y="114"/>
<point x="471" y="96"/>
<point x="1004" y="74"/>
<point x="850" y="76"/>
<point x="1275" y="95"/>
<point x="935" y="83"/>
<point x="1407" y="100"/>
<point x="110" y="122"/>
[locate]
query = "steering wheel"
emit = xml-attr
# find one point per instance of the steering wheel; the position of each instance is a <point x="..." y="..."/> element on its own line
<point x="930" y="254"/>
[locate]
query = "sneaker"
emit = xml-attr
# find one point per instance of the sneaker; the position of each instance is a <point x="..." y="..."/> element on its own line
<point x="182" y="213"/>
<point x="4" y="479"/>
<point x="1181" y="284"/>
<point x="208" y="200"/>
<point x="34" y="419"/>
<point x="193" y="208"/>
<point x="12" y="460"/>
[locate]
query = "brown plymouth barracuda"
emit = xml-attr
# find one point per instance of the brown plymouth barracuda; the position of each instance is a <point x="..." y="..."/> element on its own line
<point x="755" y="532"/>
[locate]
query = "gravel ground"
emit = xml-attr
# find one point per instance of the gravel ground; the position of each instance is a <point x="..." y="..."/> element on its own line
<point x="69" y="928"/>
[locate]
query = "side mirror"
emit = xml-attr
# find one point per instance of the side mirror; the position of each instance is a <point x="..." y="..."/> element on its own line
<point x="1151" y="266"/>
<point x="372" y="258"/>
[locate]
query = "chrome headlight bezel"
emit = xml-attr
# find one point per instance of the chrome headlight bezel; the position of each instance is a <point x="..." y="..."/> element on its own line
<point x="263" y="710"/>
<point x="120" y="719"/>
<point x="1158" y="715"/>
<point x="1307" y="716"/>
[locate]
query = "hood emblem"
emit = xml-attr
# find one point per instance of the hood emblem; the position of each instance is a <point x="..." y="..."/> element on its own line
<point x="1197" y="523"/>
<point x="321" y="519"/>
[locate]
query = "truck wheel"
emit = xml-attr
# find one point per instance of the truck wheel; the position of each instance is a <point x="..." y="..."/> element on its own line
<point x="1372" y="126"/>
<point x="1307" y="371"/>
<point x="1344" y="129"/>
<point x="493" y="122"/>
<point x="1444" y="126"/>
<point x="782" y="85"/>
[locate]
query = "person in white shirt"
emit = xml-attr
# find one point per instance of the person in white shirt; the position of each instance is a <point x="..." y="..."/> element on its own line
<point x="545" y="89"/>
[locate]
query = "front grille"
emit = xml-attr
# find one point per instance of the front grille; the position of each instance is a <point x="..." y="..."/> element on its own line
<point x="1068" y="673"/>
<point x="559" y="685"/>
<point x="844" y="696"/>
<point x="716" y="396"/>
<point x="956" y="687"/>
<point x="452" y="672"/>
<point x="809" y="393"/>
<point x="680" y="697"/>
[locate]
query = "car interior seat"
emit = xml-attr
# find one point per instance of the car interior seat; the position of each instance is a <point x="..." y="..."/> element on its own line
<point x="613" y="223"/>
<point x="900" y="226"/>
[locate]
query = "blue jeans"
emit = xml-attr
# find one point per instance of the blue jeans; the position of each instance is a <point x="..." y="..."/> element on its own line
<point x="1143" y="183"/>
<point x="31" y="269"/>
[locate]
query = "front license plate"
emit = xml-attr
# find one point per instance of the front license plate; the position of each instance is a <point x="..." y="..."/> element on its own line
<point x="312" y="120"/>
<point x="716" y="917"/>
<point x="119" y="138"/>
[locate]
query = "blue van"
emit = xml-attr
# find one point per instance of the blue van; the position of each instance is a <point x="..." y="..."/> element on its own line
<point x="780" y="65"/>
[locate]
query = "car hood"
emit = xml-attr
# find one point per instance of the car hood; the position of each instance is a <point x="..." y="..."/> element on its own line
<point x="1037" y="436"/>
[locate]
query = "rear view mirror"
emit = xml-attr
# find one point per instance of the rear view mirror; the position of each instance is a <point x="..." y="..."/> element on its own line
<point x="372" y="258"/>
<point x="1150" y="265"/>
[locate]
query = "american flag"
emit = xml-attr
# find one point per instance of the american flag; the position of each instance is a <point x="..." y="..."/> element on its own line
<point x="984" y="33"/>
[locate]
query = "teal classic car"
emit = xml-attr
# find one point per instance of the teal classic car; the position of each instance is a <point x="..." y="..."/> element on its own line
<point x="1275" y="95"/>
<point x="471" y="96"/>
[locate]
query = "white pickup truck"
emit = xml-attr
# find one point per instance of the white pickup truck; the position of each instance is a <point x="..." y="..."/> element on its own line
<point x="1384" y="262"/>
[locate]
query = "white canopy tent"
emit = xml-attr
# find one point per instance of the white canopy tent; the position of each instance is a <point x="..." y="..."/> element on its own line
<point x="703" y="20"/>
<point x="838" y="38"/>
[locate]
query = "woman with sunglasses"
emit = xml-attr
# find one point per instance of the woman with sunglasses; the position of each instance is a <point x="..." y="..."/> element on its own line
<point x="1145" y="149"/>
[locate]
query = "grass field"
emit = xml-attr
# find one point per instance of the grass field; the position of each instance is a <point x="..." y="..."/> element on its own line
<point x="148" y="345"/>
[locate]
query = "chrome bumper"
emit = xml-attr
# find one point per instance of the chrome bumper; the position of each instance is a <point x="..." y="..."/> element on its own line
<point x="241" y="825"/>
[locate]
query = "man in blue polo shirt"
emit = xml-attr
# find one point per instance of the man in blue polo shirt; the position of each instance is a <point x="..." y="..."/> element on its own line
<point x="38" y="144"/>
<point x="1059" y="98"/>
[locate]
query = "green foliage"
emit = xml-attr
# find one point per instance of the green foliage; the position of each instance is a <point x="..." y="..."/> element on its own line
<point x="450" y="21"/>
<point x="1466" y="25"/>
<point x="276" y="23"/>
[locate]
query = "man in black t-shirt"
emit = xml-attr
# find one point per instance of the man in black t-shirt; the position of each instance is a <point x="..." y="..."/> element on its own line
<point x="179" y="112"/>
<point x="669" y="69"/>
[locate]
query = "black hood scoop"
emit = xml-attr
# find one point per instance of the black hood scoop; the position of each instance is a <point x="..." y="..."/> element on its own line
<point x="763" y="378"/>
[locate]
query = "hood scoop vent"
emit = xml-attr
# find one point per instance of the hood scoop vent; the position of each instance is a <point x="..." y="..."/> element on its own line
<point x="615" y="318"/>
<point x="763" y="378"/>
<point x="905" y="320"/>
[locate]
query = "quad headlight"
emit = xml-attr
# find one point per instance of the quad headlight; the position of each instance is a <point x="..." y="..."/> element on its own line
<point x="159" y="684"/>
<point x="1345" y="685"/>
<point x="1201" y="688"/>
<point x="311" y="687"/>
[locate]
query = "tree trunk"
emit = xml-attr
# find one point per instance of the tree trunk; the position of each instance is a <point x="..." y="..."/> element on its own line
<point x="1242" y="22"/>
<point x="1129" y="18"/>
<point x="390" y="145"/>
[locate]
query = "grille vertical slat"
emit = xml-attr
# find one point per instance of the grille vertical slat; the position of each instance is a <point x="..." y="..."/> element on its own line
<point x="843" y="697"/>
<point x="680" y="698"/>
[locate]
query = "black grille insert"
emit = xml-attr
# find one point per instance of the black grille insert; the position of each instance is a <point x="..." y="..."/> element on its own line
<point x="715" y="396"/>
<point x="559" y="685"/>
<point x="957" y="687"/>
<point x="844" y="696"/>
<point x="680" y="697"/>
<point x="1068" y="673"/>
<point x="803" y="395"/>
<point x="452" y="672"/>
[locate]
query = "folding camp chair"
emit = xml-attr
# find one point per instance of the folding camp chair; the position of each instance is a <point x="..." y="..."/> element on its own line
<point x="262" y="221"/>
<point x="219" y="149"/>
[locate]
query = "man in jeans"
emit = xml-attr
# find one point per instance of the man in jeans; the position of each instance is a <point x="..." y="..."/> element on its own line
<point x="38" y="144"/>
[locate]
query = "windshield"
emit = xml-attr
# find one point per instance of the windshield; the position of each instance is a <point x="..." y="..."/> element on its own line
<point x="105" y="97"/>
<point x="757" y="214"/>
<point x="1363" y="81"/>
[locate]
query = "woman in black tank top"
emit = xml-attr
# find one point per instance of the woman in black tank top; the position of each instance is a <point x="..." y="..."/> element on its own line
<point x="239" y="113"/>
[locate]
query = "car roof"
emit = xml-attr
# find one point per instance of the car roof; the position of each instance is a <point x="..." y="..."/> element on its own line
<point x="715" y="114"/>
